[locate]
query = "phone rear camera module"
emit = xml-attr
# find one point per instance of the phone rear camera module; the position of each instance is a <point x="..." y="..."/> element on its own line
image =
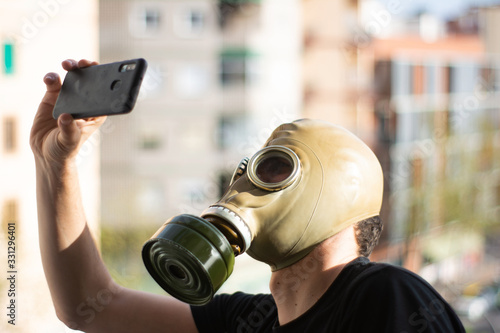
<point x="127" y="68"/>
<point x="116" y="84"/>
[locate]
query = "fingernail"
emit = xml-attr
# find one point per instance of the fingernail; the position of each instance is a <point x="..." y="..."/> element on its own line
<point x="65" y="119"/>
<point x="50" y="77"/>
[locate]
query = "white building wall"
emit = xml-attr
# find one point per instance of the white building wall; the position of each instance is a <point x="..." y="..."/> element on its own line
<point x="277" y="96"/>
<point x="43" y="33"/>
<point x="177" y="110"/>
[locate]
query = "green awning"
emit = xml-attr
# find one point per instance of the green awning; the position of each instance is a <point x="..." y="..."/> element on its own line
<point x="8" y="58"/>
<point x="238" y="53"/>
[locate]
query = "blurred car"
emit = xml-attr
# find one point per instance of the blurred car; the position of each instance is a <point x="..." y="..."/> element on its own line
<point x="473" y="307"/>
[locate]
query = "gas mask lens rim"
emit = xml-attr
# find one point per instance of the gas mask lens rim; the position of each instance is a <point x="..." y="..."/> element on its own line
<point x="274" y="168"/>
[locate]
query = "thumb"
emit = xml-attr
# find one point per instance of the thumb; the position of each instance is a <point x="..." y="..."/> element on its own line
<point x="69" y="135"/>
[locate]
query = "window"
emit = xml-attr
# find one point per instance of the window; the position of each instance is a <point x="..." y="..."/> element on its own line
<point x="431" y="79"/>
<point x="9" y="213"/>
<point x="463" y="77"/>
<point x="8" y="58"/>
<point x="402" y="79"/>
<point x="232" y="8"/>
<point x="223" y="181"/>
<point x="232" y="131"/>
<point x="145" y="21"/>
<point x="237" y="66"/>
<point x="190" y="23"/>
<point x="9" y="135"/>
<point x="418" y="79"/>
<point x="149" y="141"/>
<point x="448" y="75"/>
<point x="195" y="20"/>
<point x="149" y="136"/>
<point x="151" y="19"/>
<point x="488" y="80"/>
<point x="382" y="78"/>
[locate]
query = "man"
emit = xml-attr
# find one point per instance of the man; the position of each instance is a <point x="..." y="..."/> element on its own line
<point x="321" y="280"/>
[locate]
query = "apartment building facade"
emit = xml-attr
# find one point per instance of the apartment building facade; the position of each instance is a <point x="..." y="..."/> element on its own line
<point x="35" y="36"/>
<point x="438" y="129"/>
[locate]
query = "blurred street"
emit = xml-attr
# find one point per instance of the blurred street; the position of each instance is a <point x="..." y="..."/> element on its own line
<point x="489" y="323"/>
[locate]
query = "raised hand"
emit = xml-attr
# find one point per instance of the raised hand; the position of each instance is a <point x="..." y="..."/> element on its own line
<point x="56" y="141"/>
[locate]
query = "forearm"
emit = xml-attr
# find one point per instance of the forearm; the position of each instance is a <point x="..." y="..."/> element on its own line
<point x="84" y="295"/>
<point x="71" y="261"/>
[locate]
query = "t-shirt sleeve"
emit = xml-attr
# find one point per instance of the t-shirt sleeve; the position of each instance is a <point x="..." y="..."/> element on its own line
<point x="237" y="312"/>
<point x="396" y="300"/>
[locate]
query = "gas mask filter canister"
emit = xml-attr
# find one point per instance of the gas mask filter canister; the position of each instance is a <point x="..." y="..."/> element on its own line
<point x="310" y="181"/>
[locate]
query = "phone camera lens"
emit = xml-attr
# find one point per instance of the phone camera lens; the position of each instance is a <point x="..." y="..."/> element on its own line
<point x="116" y="85"/>
<point x="127" y="68"/>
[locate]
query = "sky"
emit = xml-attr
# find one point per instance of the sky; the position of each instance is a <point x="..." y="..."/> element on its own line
<point x="441" y="8"/>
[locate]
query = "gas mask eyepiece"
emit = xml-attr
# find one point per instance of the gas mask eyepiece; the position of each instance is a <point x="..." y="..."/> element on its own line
<point x="274" y="168"/>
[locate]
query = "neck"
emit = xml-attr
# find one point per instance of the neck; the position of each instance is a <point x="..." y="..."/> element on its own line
<point x="297" y="288"/>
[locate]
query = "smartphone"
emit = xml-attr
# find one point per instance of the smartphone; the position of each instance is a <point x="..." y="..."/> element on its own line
<point x="101" y="90"/>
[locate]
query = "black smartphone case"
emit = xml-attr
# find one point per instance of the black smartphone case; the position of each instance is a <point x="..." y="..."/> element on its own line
<point x="108" y="89"/>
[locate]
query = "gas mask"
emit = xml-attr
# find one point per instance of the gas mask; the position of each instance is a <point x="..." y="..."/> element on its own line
<point x="310" y="181"/>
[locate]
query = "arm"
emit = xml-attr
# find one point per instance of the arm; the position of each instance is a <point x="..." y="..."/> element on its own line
<point x="84" y="295"/>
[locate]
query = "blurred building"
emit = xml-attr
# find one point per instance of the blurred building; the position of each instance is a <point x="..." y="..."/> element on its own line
<point x="206" y="94"/>
<point x="222" y="75"/>
<point x="34" y="38"/>
<point x="331" y="79"/>
<point x="436" y="104"/>
<point x="490" y="19"/>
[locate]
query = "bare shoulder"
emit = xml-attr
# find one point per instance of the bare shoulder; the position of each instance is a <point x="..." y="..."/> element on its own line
<point x="124" y="310"/>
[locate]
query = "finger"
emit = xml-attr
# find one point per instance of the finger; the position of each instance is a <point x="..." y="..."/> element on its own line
<point x="69" y="64"/>
<point x="53" y="85"/>
<point x="86" y="63"/>
<point x="93" y="121"/>
<point x="69" y="134"/>
<point x="52" y="82"/>
<point x="44" y="113"/>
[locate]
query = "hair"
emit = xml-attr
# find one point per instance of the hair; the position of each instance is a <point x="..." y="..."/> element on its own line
<point x="367" y="233"/>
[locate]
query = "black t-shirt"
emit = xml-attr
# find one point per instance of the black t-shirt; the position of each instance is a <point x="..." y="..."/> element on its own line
<point x="365" y="297"/>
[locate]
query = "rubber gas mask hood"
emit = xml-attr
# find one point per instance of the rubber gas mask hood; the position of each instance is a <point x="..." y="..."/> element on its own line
<point x="310" y="181"/>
